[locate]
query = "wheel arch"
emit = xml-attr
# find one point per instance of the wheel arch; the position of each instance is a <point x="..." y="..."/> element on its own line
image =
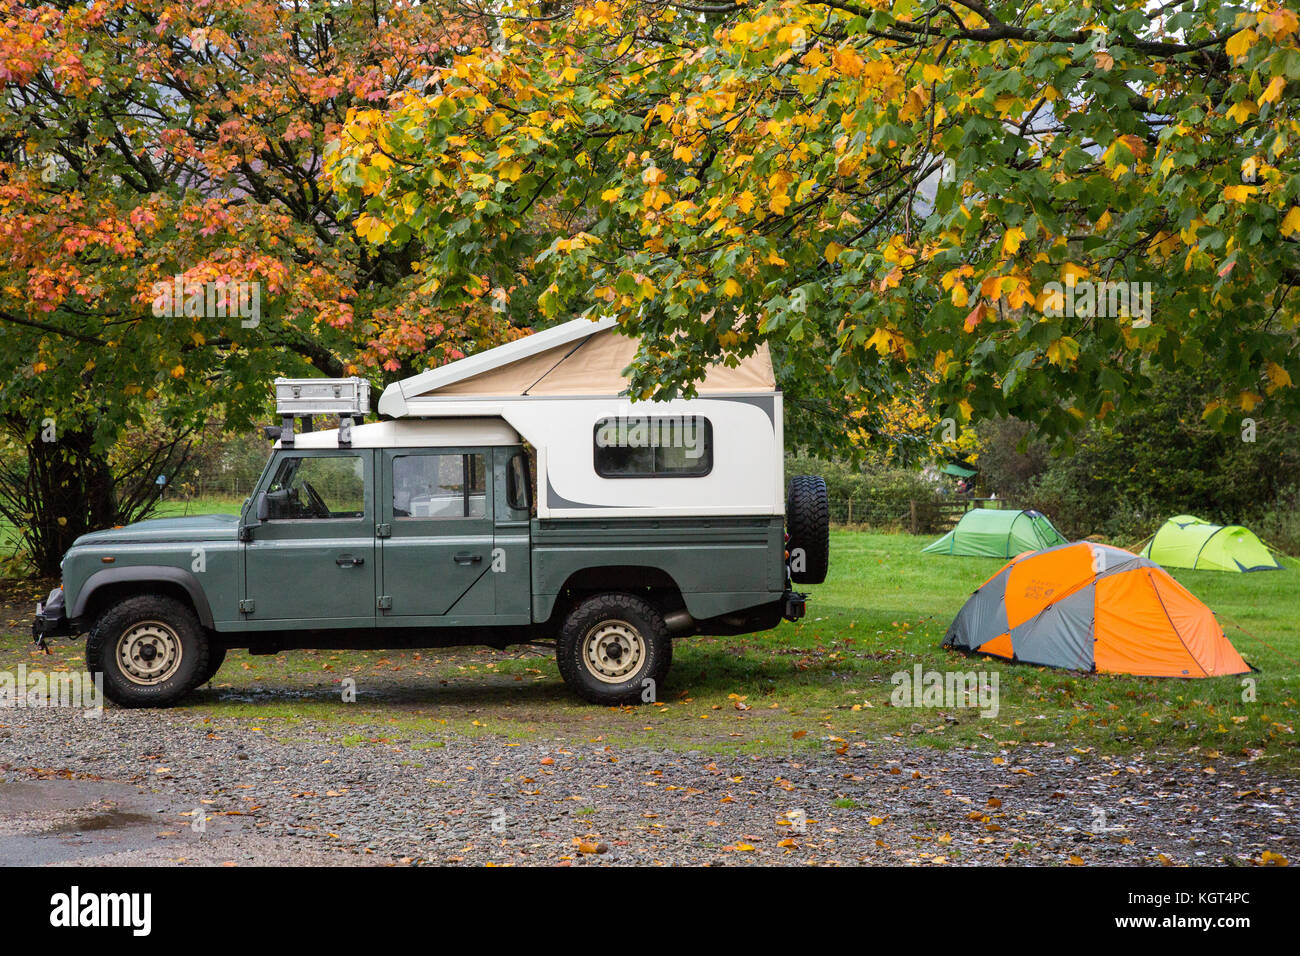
<point x="111" y="584"/>
<point x="643" y="580"/>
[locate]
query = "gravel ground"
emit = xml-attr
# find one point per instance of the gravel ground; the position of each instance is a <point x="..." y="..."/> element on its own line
<point x="266" y="798"/>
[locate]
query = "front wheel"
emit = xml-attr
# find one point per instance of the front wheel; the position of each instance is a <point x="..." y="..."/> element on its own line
<point x="216" y="657"/>
<point x="614" y="649"/>
<point x="150" y="648"/>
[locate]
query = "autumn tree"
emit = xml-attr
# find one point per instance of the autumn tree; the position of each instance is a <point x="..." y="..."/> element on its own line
<point x="879" y="189"/>
<point x="151" y="148"/>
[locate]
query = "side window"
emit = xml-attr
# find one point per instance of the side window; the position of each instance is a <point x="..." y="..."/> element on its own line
<point x="519" y="493"/>
<point x="660" y="446"/>
<point x="439" y="486"/>
<point x="318" y="487"/>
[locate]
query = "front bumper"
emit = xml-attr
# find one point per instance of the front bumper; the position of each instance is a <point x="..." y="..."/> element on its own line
<point x="51" y="618"/>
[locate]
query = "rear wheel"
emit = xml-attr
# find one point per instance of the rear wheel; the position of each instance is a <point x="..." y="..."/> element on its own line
<point x="808" y="522"/>
<point x="614" y="649"/>
<point x="150" y="648"/>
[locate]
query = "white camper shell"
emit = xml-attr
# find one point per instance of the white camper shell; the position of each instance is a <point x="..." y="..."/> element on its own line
<point x="601" y="454"/>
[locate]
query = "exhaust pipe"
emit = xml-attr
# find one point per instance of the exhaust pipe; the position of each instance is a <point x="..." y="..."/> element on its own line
<point x="679" y="622"/>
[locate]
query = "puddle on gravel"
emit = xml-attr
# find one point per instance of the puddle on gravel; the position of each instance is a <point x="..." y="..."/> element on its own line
<point x="102" y="820"/>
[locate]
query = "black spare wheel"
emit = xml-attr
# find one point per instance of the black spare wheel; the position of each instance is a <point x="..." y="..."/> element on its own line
<point x="808" y="524"/>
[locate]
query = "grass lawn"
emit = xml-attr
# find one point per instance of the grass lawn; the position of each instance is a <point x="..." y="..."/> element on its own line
<point x="824" y="682"/>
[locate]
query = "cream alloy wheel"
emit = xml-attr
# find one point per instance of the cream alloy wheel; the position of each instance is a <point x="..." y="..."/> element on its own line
<point x="149" y="652"/>
<point x="613" y="651"/>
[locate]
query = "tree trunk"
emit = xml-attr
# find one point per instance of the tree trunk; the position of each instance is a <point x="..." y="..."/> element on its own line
<point x="72" y="493"/>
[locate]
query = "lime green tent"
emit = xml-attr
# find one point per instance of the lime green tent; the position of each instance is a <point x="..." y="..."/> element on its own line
<point x="991" y="533"/>
<point x="1185" y="541"/>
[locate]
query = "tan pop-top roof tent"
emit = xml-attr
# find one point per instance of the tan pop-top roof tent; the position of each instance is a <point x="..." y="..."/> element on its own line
<point x="580" y="357"/>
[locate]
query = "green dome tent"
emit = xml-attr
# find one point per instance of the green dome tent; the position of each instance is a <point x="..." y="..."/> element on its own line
<point x="992" y="533"/>
<point x="1185" y="541"/>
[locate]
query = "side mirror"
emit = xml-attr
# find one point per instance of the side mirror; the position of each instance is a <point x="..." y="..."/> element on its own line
<point x="263" y="507"/>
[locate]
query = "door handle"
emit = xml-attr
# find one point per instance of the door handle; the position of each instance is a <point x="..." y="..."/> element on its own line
<point x="464" y="557"/>
<point x="348" y="561"/>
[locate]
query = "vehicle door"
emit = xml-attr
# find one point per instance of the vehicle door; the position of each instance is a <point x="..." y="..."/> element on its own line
<point x="312" y="560"/>
<point x="436" y="534"/>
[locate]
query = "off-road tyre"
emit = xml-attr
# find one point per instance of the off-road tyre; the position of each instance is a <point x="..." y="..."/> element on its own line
<point x="808" y="524"/>
<point x="150" y="648"/>
<point x="595" y="642"/>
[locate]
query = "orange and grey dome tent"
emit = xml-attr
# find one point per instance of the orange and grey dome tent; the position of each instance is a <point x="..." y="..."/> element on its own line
<point x="1091" y="607"/>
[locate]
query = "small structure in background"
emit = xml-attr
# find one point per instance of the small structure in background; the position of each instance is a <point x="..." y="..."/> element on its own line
<point x="965" y="476"/>
<point x="1091" y="607"/>
<point x="994" y="533"/>
<point x="1185" y="541"/>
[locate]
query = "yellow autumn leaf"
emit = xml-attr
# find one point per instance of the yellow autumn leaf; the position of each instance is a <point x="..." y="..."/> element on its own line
<point x="779" y="203"/>
<point x="1239" y="43"/>
<point x="1239" y="193"/>
<point x="1240" y="112"/>
<point x="882" y="340"/>
<point x="1273" y="92"/>
<point x="731" y="288"/>
<point x="372" y="229"/>
<point x="178" y="371"/>
<point x="1012" y="240"/>
<point x="1064" y="349"/>
<point x="833" y="251"/>
<point x="1291" y="222"/>
<point x="1278" y="376"/>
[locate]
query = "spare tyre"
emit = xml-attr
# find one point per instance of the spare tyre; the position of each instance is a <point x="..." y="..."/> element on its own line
<point x="808" y="525"/>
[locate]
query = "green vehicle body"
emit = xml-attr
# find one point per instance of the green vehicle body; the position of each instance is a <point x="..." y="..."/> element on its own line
<point x="377" y="580"/>
<point x="649" y="522"/>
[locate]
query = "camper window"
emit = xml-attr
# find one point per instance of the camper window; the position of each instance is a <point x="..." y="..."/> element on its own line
<point x="439" y="486"/>
<point x="653" y="446"/>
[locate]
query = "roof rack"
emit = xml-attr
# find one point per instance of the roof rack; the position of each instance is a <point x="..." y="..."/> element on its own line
<point x="348" y="398"/>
